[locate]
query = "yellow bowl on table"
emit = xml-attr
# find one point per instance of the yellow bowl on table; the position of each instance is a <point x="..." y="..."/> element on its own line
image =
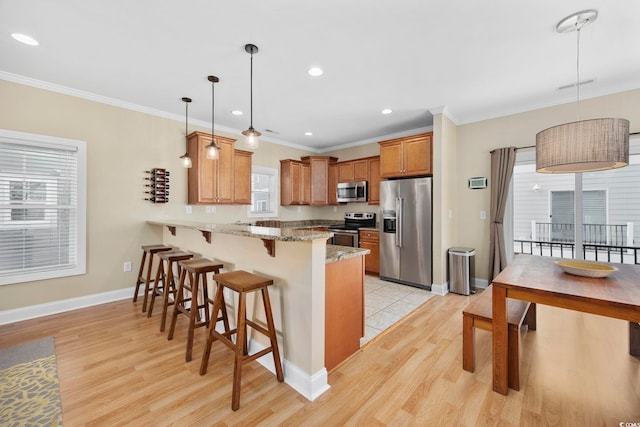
<point x="586" y="268"/>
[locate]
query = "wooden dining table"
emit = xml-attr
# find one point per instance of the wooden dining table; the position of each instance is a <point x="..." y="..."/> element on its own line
<point x="538" y="279"/>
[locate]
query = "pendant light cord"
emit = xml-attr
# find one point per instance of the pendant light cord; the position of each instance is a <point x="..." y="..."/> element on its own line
<point x="186" y="119"/>
<point x="578" y="28"/>
<point x="213" y="112"/>
<point x="251" y="90"/>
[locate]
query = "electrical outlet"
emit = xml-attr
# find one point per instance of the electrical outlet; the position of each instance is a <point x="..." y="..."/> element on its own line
<point x="483" y="215"/>
<point x="335" y="209"/>
<point x="210" y="209"/>
<point x="126" y="266"/>
<point x="189" y="210"/>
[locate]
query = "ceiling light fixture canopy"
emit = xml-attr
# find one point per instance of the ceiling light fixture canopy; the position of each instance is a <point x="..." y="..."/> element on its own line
<point x="583" y="145"/>
<point x="186" y="158"/>
<point x="212" y="148"/>
<point x="251" y="135"/>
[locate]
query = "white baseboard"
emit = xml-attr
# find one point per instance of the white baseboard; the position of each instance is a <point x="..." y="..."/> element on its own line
<point x="482" y="283"/>
<point x="310" y="386"/>
<point x="441" y="290"/>
<point x="444" y="289"/>
<point x="40" y="310"/>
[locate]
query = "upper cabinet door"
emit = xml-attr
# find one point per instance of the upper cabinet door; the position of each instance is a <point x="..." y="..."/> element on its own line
<point x="391" y="159"/>
<point x="333" y="184"/>
<point x="409" y="156"/>
<point x="223" y="178"/>
<point x="345" y="171"/>
<point x="417" y="155"/>
<point x="242" y="177"/>
<point x="361" y="170"/>
<point x="374" y="181"/>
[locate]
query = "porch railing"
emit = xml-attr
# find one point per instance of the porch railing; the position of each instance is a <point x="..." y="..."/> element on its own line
<point x="592" y="252"/>
<point x="595" y="234"/>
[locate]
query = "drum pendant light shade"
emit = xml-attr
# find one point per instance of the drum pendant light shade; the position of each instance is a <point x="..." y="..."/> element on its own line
<point x="212" y="148"/>
<point x="584" y="146"/>
<point x="251" y="135"/>
<point x="186" y="158"/>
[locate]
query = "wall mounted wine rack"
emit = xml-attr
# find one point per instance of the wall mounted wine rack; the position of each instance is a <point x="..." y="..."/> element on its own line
<point x="157" y="185"/>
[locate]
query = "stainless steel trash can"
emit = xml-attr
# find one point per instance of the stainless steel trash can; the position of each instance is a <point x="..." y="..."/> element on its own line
<point x="462" y="270"/>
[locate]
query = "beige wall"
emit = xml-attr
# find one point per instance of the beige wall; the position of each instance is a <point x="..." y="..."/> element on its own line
<point x="121" y="145"/>
<point x="476" y="140"/>
<point x="445" y="194"/>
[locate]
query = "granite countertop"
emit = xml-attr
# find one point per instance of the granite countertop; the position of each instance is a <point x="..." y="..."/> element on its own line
<point x="286" y="234"/>
<point x="369" y="229"/>
<point x="338" y="253"/>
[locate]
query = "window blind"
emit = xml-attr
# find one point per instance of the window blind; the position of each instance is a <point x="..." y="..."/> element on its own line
<point x="39" y="215"/>
<point x="262" y="187"/>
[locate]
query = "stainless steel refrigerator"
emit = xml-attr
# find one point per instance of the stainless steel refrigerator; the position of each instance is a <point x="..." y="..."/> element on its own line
<point x="406" y="231"/>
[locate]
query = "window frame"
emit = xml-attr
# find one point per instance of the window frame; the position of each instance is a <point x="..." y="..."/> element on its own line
<point x="275" y="199"/>
<point x="80" y="147"/>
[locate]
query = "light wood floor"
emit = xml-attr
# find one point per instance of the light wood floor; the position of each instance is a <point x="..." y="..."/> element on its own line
<point x="116" y="368"/>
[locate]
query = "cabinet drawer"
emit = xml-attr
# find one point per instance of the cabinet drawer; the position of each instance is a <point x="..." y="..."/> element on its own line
<point x="369" y="236"/>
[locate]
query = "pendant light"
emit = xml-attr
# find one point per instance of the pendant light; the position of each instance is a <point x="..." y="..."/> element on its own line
<point x="583" y="145"/>
<point x="212" y="148"/>
<point x="186" y="158"/>
<point x="251" y="135"/>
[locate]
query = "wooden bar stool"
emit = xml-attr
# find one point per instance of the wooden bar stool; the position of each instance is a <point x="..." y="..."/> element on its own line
<point x="196" y="282"/>
<point x="242" y="282"/>
<point x="151" y="250"/>
<point x="165" y="281"/>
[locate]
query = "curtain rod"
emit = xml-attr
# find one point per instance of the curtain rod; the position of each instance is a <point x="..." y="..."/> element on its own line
<point x="517" y="148"/>
<point x="533" y="146"/>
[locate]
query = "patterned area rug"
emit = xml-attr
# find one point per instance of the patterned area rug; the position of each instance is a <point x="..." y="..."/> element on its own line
<point x="29" y="394"/>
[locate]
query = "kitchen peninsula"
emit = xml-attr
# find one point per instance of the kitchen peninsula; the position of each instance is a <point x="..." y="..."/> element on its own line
<point x="317" y="293"/>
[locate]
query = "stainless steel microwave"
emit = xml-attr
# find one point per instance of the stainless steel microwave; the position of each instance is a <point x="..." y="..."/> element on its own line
<point x="352" y="192"/>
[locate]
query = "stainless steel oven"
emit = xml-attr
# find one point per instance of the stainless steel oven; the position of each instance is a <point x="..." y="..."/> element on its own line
<point x="345" y="238"/>
<point x="346" y="234"/>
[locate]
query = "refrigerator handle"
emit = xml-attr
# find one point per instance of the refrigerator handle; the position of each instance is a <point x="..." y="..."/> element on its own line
<point x="399" y="224"/>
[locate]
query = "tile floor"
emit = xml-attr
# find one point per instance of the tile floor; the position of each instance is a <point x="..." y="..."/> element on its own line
<point x="387" y="302"/>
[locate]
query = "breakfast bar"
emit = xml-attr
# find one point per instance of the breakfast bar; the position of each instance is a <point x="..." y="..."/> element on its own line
<point x="296" y="258"/>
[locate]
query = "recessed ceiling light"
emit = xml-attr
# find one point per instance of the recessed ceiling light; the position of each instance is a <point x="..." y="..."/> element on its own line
<point x="308" y="133"/>
<point x="315" y="71"/>
<point x="236" y="112"/>
<point x="386" y="111"/>
<point x="23" y="38"/>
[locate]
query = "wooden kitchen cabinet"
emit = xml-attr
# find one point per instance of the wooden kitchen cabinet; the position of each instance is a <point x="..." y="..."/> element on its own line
<point x="408" y="156"/>
<point x="344" y="310"/>
<point x="374" y="180"/>
<point x="210" y="181"/>
<point x="319" y="193"/>
<point x="333" y="184"/>
<point x="370" y="239"/>
<point x="305" y="183"/>
<point x="242" y="177"/>
<point x="354" y="170"/>
<point x="291" y="182"/>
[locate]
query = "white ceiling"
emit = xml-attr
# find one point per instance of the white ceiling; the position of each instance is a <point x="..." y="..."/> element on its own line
<point x="477" y="59"/>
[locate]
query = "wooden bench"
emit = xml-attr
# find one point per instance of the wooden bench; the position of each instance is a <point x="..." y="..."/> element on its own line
<point x="478" y="314"/>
